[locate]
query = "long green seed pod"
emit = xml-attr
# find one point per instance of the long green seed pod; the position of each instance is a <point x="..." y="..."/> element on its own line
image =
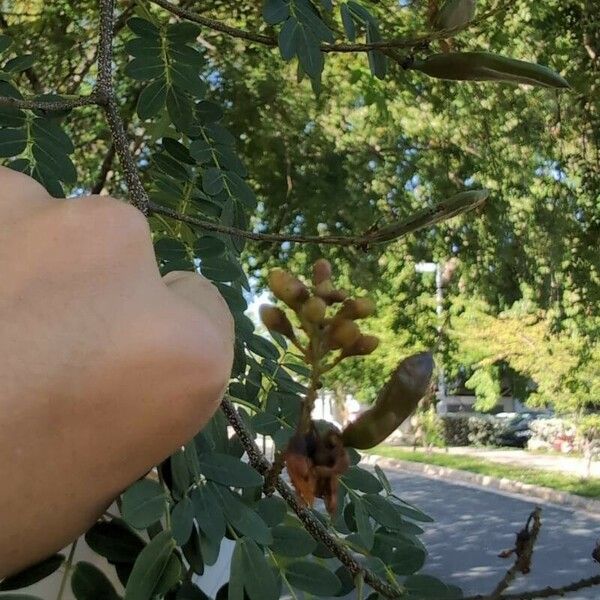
<point x="445" y="209"/>
<point x="485" y="66"/>
<point x="396" y="401"/>
<point x="454" y="14"/>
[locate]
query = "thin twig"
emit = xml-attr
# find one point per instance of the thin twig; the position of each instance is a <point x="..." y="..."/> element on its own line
<point x="523" y="550"/>
<point x="105" y="169"/>
<point x="389" y="233"/>
<point x="310" y="522"/>
<point x="49" y="105"/>
<point x="68" y="566"/>
<point x="106" y="98"/>
<point x="547" y="592"/>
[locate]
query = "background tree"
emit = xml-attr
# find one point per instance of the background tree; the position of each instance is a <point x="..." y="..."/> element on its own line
<point x="346" y="144"/>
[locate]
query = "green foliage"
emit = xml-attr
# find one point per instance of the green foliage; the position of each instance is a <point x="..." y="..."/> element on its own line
<point x="89" y="583"/>
<point x="377" y="144"/>
<point x="33" y="574"/>
<point x="430" y="428"/>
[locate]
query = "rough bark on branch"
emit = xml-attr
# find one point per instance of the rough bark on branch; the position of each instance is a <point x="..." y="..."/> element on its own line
<point x="419" y="220"/>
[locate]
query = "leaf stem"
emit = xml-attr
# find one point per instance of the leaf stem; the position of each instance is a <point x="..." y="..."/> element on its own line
<point x="68" y="565"/>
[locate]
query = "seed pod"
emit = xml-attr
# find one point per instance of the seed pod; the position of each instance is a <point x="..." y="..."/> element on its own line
<point x="324" y="288"/>
<point x="287" y="288"/>
<point x="439" y="212"/>
<point x="343" y="334"/>
<point x="314" y="310"/>
<point x="454" y="14"/>
<point x="337" y="296"/>
<point x="396" y="401"/>
<point x="275" y="319"/>
<point x="365" y="344"/>
<point x="356" y="308"/>
<point x="321" y="271"/>
<point x="326" y="291"/>
<point x="485" y="66"/>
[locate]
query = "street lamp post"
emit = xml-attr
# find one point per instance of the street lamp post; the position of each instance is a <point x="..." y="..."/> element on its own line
<point x="433" y="267"/>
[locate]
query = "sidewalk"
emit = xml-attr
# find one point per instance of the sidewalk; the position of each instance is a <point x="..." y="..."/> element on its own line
<point x="522" y="458"/>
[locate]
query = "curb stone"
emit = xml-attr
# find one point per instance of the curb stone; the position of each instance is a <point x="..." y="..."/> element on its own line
<point x="489" y="483"/>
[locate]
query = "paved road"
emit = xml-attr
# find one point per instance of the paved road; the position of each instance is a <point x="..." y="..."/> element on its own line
<point x="473" y="525"/>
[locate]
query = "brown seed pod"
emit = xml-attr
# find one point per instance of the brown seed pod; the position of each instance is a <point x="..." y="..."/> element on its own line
<point x="356" y="308"/>
<point x="365" y="344"/>
<point x="321" y="271"/>
<point x="287" y="288"/>
<point x="324" y="288"/>
<point x="314" y="310"/>
<point x="337" y="296"/>
<point x="343" y="334"/>
<point x="326" y="291"/>
<point x="275" y="319"/>
<point x="396" y="401"/>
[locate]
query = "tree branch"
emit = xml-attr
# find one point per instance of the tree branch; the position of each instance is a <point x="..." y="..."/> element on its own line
<point x="312" y="524"/>
<point x="105" y="169"/>
<point x="271" y="41"/>
<point x="547" y="592"/>
<point x="419" y="220"/>
<point x="524" y="545"/>
<point x="106" y="99"/>
<point x="49" y="105"/>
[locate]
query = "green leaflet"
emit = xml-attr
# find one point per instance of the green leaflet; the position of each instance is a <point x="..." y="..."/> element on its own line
<point x="12" y="142"/>
<point x="151" y="566"/>
<point x="485" y="66"/>
<point x="5" y="42"/>
<point x="454" y="14"/>
<point x="194" y="553"/>
<point x="182" y="520"/>
<point x="89" y="583"/>
<point x="32" y="574"/>
<point x="152" y="99"/>
<point x="348" y="23"/>
<point x="19" y="63"/>
<point x="115" y="541"/>
<point x="228" y="470"/>
<point x="275" y="11"/>
<point x="143" y="503"/>
<point x="292" y="541"/>
<point x="313" y="578"/>
<point x="259" y="581"/>
<point x="359" y="479"/>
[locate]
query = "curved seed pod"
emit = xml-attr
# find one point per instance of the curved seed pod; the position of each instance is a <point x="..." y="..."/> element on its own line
<point x="287" y="288"/>
<point x="343" y="334"/>
<point x="441" y="211"/>
<point x="314" y="310"/>
<point x="396" y="401"/>
<point x="454" y="14"/>
<point x="365" y="344"/>
<point x="485" y="66"/>
<point x="274" y="319"/>
<point x="321" y="271"/>
<point x="356" y="308"/>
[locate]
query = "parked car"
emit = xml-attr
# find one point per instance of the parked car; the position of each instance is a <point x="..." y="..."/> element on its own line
<point x="516" y="428"/>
